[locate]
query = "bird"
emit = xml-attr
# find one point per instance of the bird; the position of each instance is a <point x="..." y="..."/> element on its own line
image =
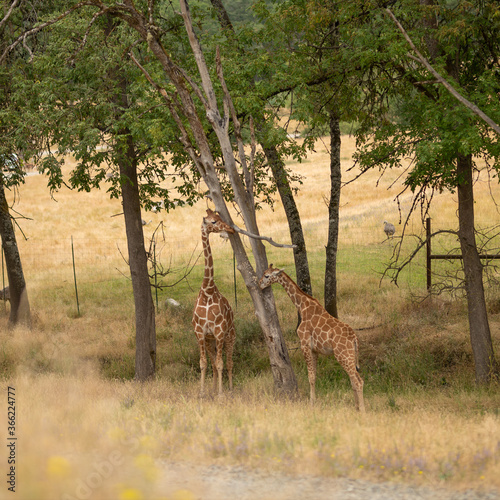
<point x="389" y="229"/>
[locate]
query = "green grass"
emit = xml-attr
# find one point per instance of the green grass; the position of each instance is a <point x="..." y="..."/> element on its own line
<point x="398" y="361"/>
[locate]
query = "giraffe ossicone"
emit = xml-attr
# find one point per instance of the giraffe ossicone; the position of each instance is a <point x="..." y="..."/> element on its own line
<point x="320" y="333"/>
<point x="213" y="319"/>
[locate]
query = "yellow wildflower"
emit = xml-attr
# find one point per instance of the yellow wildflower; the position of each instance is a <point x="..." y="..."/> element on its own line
<point x="58" y="467"/>
<point x="131" y="494"/>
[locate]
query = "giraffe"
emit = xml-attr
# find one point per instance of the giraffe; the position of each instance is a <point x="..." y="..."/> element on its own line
<point x="213" y="320"/>
<point x="320" y="333"/>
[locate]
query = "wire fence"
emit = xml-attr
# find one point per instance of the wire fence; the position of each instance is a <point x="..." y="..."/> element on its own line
<point x="58" y="262"/>
<point x="70" y="262"/>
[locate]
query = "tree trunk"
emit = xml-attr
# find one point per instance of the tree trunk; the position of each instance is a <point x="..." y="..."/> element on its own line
<point x="145" y="327"/>
<point x="194" y="139"/>
<point x="280" y="177"/>
<point x="479" y="330"/>
<point x="145" y="330"/>
<point x="265" y="307"/>
<point x="333" y="218"/>
<point x="293" y="218"/>
<point x="126" y="158"/>
<point x="284" y="378"/>
<point x="20" y="313"/>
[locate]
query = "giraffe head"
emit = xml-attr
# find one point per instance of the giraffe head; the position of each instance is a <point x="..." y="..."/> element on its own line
<point x="269" y="277"/>
<point x="212" y="223"/>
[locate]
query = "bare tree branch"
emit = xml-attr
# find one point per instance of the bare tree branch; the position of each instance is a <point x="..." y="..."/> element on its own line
<point x="8" y="14"/>
<point x="258" y="237"/>
<point x="40" y="27"/>
<point x="172" y="108"/>
<point x="252" y="155"/>
<point x="30" y="52"/>
<point x="420" y="58"/>
<point x="398" y="269"/>
<point x="194" y="86"/>
<point x="150" y="11"/>
<point x="228" y="103"/>
<point x="199" y="57"/>
<point x="87" y="31"/>
<point x="158" y="269"/>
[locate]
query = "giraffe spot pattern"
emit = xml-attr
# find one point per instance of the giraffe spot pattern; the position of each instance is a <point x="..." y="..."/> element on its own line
<point x="320" y="333"/>
<point x="213" y="319"/>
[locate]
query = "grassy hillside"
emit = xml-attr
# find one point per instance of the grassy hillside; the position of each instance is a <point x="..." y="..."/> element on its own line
<point x="426" y="422"/>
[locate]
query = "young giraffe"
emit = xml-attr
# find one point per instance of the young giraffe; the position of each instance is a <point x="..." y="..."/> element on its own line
<point x="213" y="320"/>
<point x="320" y="333"/>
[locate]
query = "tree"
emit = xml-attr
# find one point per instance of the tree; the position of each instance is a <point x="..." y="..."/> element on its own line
<point x="108" y="123"/>
<point x="179" y="93"/>
<point x="265" y="308"/>
<point x="145" y="331"/>
<point x="273" y="144"/>
<point x="15" y="140"/>
<point x="333" y="216"/>
<point x="19" y="304"/>
<point x="127" y="159"/>
<point x="311" y="66"/>
<point x="20" y="39"/>
<point x="431" y="127"/>
<point x="266" y="136"/>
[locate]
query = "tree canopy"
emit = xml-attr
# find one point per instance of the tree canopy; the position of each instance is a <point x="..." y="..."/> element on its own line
<point x="183" y="88"/>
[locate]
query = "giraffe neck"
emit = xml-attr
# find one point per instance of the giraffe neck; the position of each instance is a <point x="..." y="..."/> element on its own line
<point x="208" y="278"/>
<point x="297" y="296"/>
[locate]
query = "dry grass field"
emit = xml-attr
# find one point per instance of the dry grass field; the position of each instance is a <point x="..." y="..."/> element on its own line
<point x="85" y="429"/>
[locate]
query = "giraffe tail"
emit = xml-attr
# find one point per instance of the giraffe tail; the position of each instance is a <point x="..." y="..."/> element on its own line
<point x="356" y="353"/>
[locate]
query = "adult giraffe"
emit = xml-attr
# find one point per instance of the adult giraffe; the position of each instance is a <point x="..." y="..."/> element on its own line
<point x="320" y="333"/>
<point x="213" y="319"/>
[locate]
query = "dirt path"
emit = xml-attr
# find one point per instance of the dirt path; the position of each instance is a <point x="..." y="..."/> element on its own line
<point x="191" y="482"/>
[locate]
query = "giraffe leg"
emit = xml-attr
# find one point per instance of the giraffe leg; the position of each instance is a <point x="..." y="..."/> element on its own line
<point x="211" y="352"/>
<point x="311" y="359"/>
<point x="203" y="363"/>
<point x="219" y="362"/>
<point x="229" y="356"/>
<point x="356" y="383"/>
